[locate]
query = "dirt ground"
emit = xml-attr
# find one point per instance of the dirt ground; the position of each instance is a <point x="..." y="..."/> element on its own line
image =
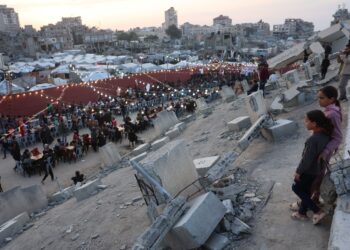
<point x="108" y="221"/>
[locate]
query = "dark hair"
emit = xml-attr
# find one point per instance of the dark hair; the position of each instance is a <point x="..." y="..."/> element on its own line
<point x="331" y="92"/>
<point x="321" y="121"/>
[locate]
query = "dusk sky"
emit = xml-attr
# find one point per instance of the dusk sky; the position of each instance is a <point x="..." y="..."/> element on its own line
<point x="124" y="14"/>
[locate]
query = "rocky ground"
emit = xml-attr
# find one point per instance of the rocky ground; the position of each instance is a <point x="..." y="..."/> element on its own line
<point x="115" y="217"/>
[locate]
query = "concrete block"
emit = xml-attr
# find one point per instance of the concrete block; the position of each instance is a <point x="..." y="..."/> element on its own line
<point x="204" y="164"/>
<point x="172" y="133"/>
<point x="180" y="126"/>
<point x="141" y="149"/>
<point x="339" y="236"/>
<point x="276" y="106"/>
<point x="164" y="121"/>
<point x="172" y="165"/>
<point x="242" y="122"/>
<point x="203" y="107"/>
<point x="256" y="105"/>
<point x="227" y="94"/>
<point x="139" y="157"/>
<point x="189" y="118"/>
<point x="18" y="200"/>
<point x="13" y="226"/>
<point x="197" y="224"/>
<point x="245" y="86"/>
<point x="62" y="195"/>
<point x="228" y="205"/>
<point x="109" y="155"/>
<point x="87" y="189"/>
<point x="160" y="143"/>
<point x="280" y="130"/>
<point x="216" y="242"/>
<point x="292" y="76"/>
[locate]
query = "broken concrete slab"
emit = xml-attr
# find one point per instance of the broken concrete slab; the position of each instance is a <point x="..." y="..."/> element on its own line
<point x="281" y="129"/>
<point x="239" y="227"/>
<point x="216" y="242"/>
<point x="242" y="122"/>
<point x="197" y="224"/>
<point x="339" y="236"/>
<point x="228" y="205"/>
<point x="227" y="94"/>
<point x="202" y="107"/>
<point x="256" y="105"/>
<point x="18" y="200"/>
<point x="86" y="190"/>
<point x="62" y="195"/>
<point x="172" y="166"/>
<point x="13" y="226"/>
<point x="141" y="149"/>
<point x="276" y="106"/>
<point x="160" y="143"/>
<point x="189" y="118"/>
<point x="292" y="76"/>
<point x="109" y="154"/>
<point x="172" y="133"/>
<point x="180" y="126"/>
<point x="204" y="164"/>
<point x="164" y="121"/>
<point x="139" y="157"/>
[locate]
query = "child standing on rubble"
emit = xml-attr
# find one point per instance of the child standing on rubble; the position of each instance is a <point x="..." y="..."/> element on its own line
<point x="310" y="165"/>
<point x="328" y="99"/>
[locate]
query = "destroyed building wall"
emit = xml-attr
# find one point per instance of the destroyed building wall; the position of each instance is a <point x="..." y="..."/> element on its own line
<point x="172" y="166"/>
<point x="18" y="200"/>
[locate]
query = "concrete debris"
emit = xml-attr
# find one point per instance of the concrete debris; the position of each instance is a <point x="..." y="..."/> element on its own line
<point x="216" y="242"/>
<point x="201" y="139"/>
<point x="155" y="234"/>
<point x="87" y="190"/>
<point x="340" y="176"/>
<point x="196" y="225"/>
<point x="221" y="167"/>
<point x="102" y="186"/>
<point x="239" y="227"/>
<point x="75" y="237"/>
<point x="13" y="226"/>
<point x="95" y="236"/>
<point x="123" y="247"/>
<point x="8" y="239"/>
<point x="249" y="195"/>
<point x="136" y="199"/>
<point x="281" y="129"/>
<point x="242" y="122"/>
<point x="70" y="229"/>
<point x="204" y="164"/>
<point x="228" y="205"/>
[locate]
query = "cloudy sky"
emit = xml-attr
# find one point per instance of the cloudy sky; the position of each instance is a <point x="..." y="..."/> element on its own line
<point x="124" y="14"/>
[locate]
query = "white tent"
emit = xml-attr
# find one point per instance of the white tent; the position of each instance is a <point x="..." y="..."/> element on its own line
<point x="97" y="75"/>
<point x="130" y="68"/>
<point x="42" y="86"/>
<point x="149" y="67"/>
<point x="15" y="88"/>
<point x="182" y="64"/>
<point x="62" y="69"/>
<point x="59" y="81"/>
<point x="167" y="66"/>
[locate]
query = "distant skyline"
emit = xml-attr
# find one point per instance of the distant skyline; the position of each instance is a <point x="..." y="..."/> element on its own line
<point x="125" y="14"/>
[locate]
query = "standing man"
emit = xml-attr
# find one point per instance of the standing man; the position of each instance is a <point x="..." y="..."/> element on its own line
<point x="263" y="69"/>
<point x="5" y="145"/>
<point x="344" y="58"/>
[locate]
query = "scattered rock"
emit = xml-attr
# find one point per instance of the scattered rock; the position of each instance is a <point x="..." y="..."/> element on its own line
<point x="99" y="202"/>
<point x="95" y="236"/>
<point x="136" y="199"/>
<point x="205" y="138"/>
<point x="75" y="237"/>
<point x="39" y="214"/>
<point x="102" y="186"/>
<point x="123" y="247"/>
<point x="249" y="195"/>
<point x="8" y="239"/>
<point x="70" y="229"/>
<point x="27" y="226"/>
<point x="239" y="227"/>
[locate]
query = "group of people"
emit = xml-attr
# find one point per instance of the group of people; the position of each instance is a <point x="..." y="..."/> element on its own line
<point x="319" y="148"/>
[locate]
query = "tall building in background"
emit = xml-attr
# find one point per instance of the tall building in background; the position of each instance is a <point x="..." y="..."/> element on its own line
<point x="9" y="21"/>
<point x="222" y="21"/>
<point x="170" y="18"/>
